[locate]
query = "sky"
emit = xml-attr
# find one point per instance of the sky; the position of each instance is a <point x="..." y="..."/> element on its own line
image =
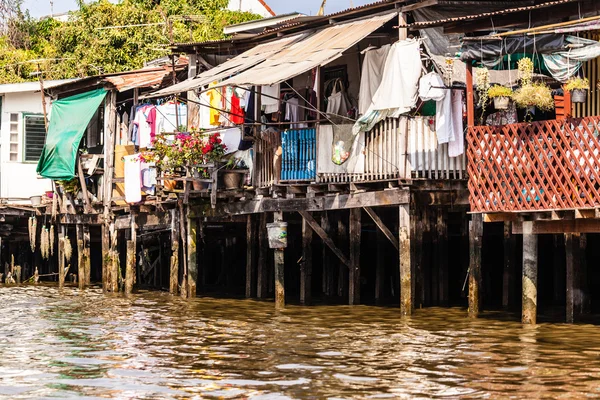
<point x="38" y="8"/>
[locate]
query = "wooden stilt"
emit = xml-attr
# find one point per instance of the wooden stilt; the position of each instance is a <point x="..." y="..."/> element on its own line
<point x="130" y="267"/>
<point x="442" y="254"/>
<point x="573" y="254"/>
<point x="379" y="268"/>
<point x="416" y="235"/>
<point x="585" y="290"/>
<point x="250" y="256"/>
<point x="530" y="274"/>
<point x="425" y="256"/>
<point x="558" y="268"/>
<point x="115" y="261"/>
<point x="192" y="277"/>
<point x="406" y="298"/>
<point x="80" y="257"/>
<point x="61" y="259"/>
<point x="174" y="267"/>
<point x="342" y="286"/>
<point x="508" y="279"/>
<point x="262" y="278"/>
<point x="354" y="272"/>
<point x="106" y="258"/>
<point x="306" y="264"/>
<point x="327" y="278"/>
<point x="475" y="243"/>
<point x="279" y="270"/>
<point x="87" y="261"/>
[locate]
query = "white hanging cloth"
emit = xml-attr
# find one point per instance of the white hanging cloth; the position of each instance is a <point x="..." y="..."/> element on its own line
<point x="371" y="76"/>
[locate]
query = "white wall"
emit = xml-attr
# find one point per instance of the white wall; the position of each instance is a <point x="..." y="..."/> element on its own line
<point x="253" y="6"/>
<point x="18" y="180"/>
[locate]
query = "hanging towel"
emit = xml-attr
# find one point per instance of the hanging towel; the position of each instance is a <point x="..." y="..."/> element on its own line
<point x="371" y="75"/>
<point x="457" y="146"/>
<point x="270" y="103"/>
<point x="431" y="87"/>
<point x="133" y="178"/>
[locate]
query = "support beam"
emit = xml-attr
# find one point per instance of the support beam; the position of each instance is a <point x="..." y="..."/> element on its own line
<point x="530" y="274"/>
<point x="262" y="279"/>
<point x="475" y="243"/>
<point x="114" y="259"/>
<point x="87" y="261"/>
<point x="130" y="267"/>
<point x="402" y="32"/>
<point x="279" y="270"/>
<point x="585" y="288"/>
<point x="192" y="278"/>
<point x="327" y="223"/>
<point x="306" y="264"/>
<point x="573" y="253"/>
<point x="325" y="238"/>
<point x="342" y="284"/>
<point x="80" y="256"/>
<point x="406" y="292"/>
<point x="250" y="256"/>
<point x="61" y="259"/>
<point x="105" y="256"/>
<point x="384" y="229"/>
<point x="508" y="278"/>
<point x="174" y="267"/>
<point x="470" y="99"/>
<point x="442" y="255"/>
<point x="354" y="272"/>
<point x="379" y="268"/>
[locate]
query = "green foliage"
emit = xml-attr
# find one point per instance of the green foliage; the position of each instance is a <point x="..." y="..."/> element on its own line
<point x="577" y="83"/>
<point x="499" y="91"/>
<point x="84" y="50"/>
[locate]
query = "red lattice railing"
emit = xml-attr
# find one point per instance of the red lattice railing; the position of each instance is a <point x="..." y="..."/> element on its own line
<point x="549" y="165"/>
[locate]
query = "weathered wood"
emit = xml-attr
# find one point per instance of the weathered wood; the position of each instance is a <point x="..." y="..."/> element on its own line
<point x="61" y="259"/>
<point x="87" y="207"/>
<point x="327" y="276"/>
<point x="80" y="257"/>
<point x="406" y="285"/>
<point x="174" y="265"/>
<point x="279" y="270"/>
<point x="87" y="260"/>
<point x="343" y="270"/>
<point x="306" y="264"/>
<point x="379" y="268"/>
<point x="573" y="254"/>
<point x="530" y="274"/>
<point x="475" y="243"/>
<point x="130" y="267"/>
<point x="442" y="254"/>
<point x="416" y="235"/>
<point x="325" y="238"/>
<point x="354" y="270"/>
<point x="114" y="259"/>
<point x="145" y="220"/>
<point x="508" y="273"/>
<point x="105" y="256"/>
<point x="250" y="256"/>
<point x="110" y="122"/>
<point x="381" y="225"/>
<point x="470" y="99"/>
<point x="262" y="278"/>
<point x="585" y="288"/>
<point x="560" y="226"/>
<point x="192" y="277"/>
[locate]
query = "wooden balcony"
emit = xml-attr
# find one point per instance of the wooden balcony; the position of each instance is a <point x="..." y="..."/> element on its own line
<point x="540" y="166"/>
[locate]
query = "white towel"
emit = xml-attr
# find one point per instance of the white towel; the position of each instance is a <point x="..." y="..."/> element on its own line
<point x="371" y="75"/>
<point x="133" y="178"/>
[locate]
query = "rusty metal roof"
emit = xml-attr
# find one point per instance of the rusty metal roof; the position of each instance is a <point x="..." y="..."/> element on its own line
<point x="439" y="22"/>
<point x="152" y="77"/>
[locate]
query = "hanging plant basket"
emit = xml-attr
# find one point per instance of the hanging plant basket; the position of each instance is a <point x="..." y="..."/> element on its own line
<point x="578" y="95"/>
<point x="501" y="102"/>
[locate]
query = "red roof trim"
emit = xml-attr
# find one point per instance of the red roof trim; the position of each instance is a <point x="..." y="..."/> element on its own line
<point x="266" y="6"/>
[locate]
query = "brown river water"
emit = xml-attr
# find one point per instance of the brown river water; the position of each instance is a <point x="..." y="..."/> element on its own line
<point x="153" y="346"/>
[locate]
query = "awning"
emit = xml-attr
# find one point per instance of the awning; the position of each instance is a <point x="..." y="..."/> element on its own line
<point x="230" y="67"/>
<point x="69" y="119"/>
<point x="317" y="49"/>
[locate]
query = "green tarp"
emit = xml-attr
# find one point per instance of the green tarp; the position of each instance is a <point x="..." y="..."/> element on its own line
<point x="69" y="119"/>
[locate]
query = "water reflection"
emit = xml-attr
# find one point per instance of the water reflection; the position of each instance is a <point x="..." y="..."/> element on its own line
<point x="72" y="345"/>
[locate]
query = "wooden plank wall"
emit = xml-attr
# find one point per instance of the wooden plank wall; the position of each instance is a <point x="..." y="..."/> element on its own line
<point x="591" y="70"/>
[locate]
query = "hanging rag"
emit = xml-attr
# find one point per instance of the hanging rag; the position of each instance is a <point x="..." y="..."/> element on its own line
<point x="457" y="146"/>
<point x="397" y="93"/>
<point x="133" y="178"/>
<point x="271" y="103"/>
<point x="371" y="75"/>
<point x="431" y="87"/>
<point x="338" y="103"/>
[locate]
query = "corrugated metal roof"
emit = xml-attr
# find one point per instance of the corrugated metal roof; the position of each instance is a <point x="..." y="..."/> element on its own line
<point x="153" y="77"/>
<point x="232" y="66"/>
<point x="487" y="14"/>
<point x="30" y="86"/>
<point x="317" y="49"/>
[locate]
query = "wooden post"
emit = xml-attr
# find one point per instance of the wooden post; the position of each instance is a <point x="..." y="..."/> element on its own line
<point x="174" y="267"/>
<point x="262" y="278"/>
<point x="573" y="253"/>
<point x="380" y="267"/>
<point x="87" y="262"/>
<point x="130" y="269"/>
<point x="61" y="259"/>
<point x="470" y="99"/>
<point x="402" y="32"/>
<point x="80" y="256"/>
<point x="343" y="273"/>
<point x="354" y="272"/>
<point x="306" y="264"/>
<point x="279" y="269"/>
<point x="87" y="207"/>
<point x="192" y="278"/>
<point x="106" y="257"/>
<point x="416" y="235"/>
<point x="327" y="280"/>
<point x="114" y="259"/>
<point x="250" y="255"/>
<point x="110" y="125"/>
<point x="475" y="243"/>
<point x="508" y="279"/>
<point x="406" y="298"/>
<point x="442" y="254"/>
<point x="530" y="274"/>
<point x="585" y="294"/>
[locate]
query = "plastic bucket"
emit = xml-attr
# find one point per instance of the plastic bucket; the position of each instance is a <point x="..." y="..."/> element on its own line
<point x="501" y="103"/>
<point x="35" y="200"/>
<point x="277" y="234"/>
<point x="578" y="96"/>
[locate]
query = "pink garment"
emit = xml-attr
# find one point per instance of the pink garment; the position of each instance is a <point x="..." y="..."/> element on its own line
<point x="133" y="178"/>
<point x="456" y="147"/>
<point x="151" y="120"/>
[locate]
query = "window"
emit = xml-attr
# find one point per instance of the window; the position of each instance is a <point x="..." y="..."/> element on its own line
<point x="14" y="137"/>
<point x="35" y="136"/>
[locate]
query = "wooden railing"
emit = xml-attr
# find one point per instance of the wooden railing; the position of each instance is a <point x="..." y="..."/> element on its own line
<point x="549" y="165"/>
<point x="267" y="166"/>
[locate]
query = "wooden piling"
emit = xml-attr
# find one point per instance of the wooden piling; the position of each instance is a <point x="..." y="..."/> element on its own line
<point x="61" y="259"/>
<point x="80" y="257"/>
<point x="379" y="267"/>
<point x="279" y="262"/>
<point x="250" y="255"/>
<point x="306" y="264"/>
<point x="354" y="272"/>
<point x="113" y="280"/>
<point x="416" y="235"/>
<point x="192" y="277"/>
<point x="262" y="279"/>
<point x="327" y="257"/>
<point x="586" y="303"/>
<point x="508" y="273"/>
<point x="130" y="267"/>
<point x="442" y="254"/>
<point x="87" y="261"/>
<point x="174" y="265"/>
<point x="475" y="243"/>
<point x="106" y="256"/>
<point x="530" y="274"/>
<point x="573" y="255"/>
<point x="343" y="270"/>
<point x="406" y="298"/>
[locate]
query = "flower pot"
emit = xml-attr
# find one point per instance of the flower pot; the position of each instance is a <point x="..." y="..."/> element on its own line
<point x="200" y="185"/>
<point x="35" y="200"/>
<point x="232" y="179"/>
<point x="501" y="102"/>
<point x="169" y="185"/>
<point x="578" y="95"/>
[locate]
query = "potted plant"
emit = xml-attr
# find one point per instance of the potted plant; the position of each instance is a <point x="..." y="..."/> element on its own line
<point x="501" y="96"/>
<point x="233" y="173"/>
<point x="578" y="88"/>
<point x="531" y="94"/>
<point x="482" y="82"/>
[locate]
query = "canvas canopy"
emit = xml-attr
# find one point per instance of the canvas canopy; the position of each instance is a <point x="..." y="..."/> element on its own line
<point x="69" y="119"/>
